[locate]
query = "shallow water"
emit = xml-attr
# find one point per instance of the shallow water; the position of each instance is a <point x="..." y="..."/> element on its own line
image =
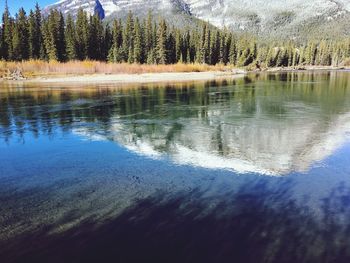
<point x="244" y="170"/>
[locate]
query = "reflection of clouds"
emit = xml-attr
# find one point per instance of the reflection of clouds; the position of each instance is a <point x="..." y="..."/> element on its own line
<point x="143" y="148"/>
<point x="323" y="146"/>
<point x="84" y="133"/>
<point x="185" y="155"/>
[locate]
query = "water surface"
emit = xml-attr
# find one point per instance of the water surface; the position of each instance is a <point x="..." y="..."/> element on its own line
<point x="254" y="169"/>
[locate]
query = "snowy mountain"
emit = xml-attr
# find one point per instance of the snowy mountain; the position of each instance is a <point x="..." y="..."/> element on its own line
<point x="331" y="17"/>
<point x="176" y="11"/>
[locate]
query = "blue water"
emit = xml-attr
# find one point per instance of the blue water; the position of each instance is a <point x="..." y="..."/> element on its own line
<point x="245" y="170"/>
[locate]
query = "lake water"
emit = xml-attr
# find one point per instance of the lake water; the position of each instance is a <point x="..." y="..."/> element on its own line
<point x="253" y="169"/>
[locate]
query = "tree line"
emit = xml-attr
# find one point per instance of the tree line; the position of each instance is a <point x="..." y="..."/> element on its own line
<point x="151" y="41"/>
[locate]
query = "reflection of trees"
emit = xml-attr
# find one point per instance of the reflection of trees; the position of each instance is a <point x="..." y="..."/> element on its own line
<point x="227" y="116"/>
<point x="260" y="222"/>
<point x="41" y="111"/>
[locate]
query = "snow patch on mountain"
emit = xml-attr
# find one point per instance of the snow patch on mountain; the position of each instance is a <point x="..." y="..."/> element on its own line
<point x="252" y="15"/>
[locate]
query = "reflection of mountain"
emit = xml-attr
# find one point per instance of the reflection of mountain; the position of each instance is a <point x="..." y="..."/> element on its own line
<point x="245" y="133"/>
<point x="270" y="124"/>
<point x="259" y="144"/>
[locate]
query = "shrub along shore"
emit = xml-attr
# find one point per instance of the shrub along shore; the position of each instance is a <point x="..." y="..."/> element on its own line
<point x="38" y="71"/>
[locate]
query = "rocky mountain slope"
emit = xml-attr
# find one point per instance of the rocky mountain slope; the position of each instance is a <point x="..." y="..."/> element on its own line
<point x="273" y="17"/>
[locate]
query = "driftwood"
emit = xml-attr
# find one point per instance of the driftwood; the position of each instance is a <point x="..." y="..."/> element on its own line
<point x="15" y="75"/>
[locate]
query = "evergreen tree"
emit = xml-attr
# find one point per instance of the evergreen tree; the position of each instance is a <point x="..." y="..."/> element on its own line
<point x="95" y="39"/>
<point x="206" y="47"/>
<point x="107" y="42"/>
<point x="61" y="41"/>
<point x="128" y="39"/>
<point x="224" y="49"/>
<point x="20" y="38"/>
<point x="162" y="51"/>
<point x="171" y="48"/>
<point x="82" y="34"/>
<point x="201" y="50"/>
<point x="35" y="34"/>
<point x="49" y="32"/>
<point x="233" y="52"/>
<point x="7" y="34"/>
<point x="71" y="42"/>
<point x="54" y="38"/>
<point x="116" y="52"/>
<point x="149" y="41"/>
<point x="296" y="57"/>
<point x="138" y="43"/>
<point x="178" y="46"/>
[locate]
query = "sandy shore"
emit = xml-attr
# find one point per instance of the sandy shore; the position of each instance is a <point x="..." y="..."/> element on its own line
<point x="145" y="78"/>
<point x="132" y="78"/>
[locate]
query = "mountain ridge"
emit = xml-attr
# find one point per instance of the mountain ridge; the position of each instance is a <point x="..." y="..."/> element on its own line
<point x="288" y="19"/>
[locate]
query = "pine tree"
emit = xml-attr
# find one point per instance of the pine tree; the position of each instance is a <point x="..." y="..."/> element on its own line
<point x="233" y="52"/>
<point x="138" y="43"/>
<point x="214" y="48"/>
<point x="162" y="52"/>
<point x="7" y="34"/>
<point x="48" y="35"/>
<point x="61" y="41"/>
<point x="107" y="42"/>
<point x="149" y="41"/>
<point x="178" y="46"/>
<point x="21" y="37"/>
<point x="54" y="39"/>
<point x="82" y="34"/>
<point x="116" y="51"/>
<point x="224" y="52"/>
<point x="71" y="42"/>
<point x="35" y="34"/>
<point x="171" y="48"/>
<point x="282" y="57"/>
<point x="202" y="50"/>
<point x="296" y="57"/>
<point x="206" y="48"/>
<point x="187" y="47"/>
<point x="128" y="39"/>
<point x="95" y="38"/>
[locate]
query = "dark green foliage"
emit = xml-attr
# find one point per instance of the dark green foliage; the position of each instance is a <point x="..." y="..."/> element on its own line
<point x="82" y="34"/>
<point x="128" y="40"/>
<point x="35" y="34"/>
<point x="152" y="42"/>
<point x="161" y="49"/>
<point x="20" y="37"/>
<point x="7" y="35"/>
<point x="95" y="42"/>
<point x="71" y="41"/>
<point x="54" y="36"/>
<point x="138" y="56"/>
<point x="107" y="44"/>
<point x="116" y="51"/>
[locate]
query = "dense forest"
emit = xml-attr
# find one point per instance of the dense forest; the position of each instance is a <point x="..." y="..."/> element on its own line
<point x="152" y="41"/>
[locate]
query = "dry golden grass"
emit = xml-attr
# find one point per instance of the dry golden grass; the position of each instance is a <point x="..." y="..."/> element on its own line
<point x="346" y="63"/>
<point x="39" y="67"/>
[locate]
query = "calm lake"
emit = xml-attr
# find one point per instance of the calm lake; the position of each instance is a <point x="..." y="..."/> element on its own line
<point x="253" y="169"/>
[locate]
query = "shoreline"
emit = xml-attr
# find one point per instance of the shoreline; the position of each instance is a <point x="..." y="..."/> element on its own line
<point x="144" y="78"/>
<point x="161" y="77"/>
<point x="304" y="69"/>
